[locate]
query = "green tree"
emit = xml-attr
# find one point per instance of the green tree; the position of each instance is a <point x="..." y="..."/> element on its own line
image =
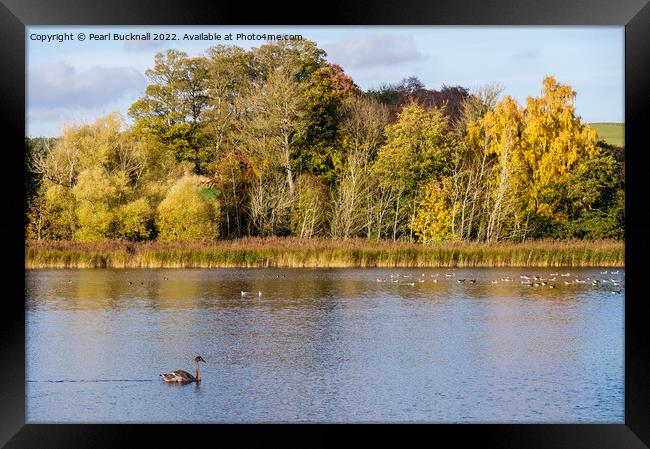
<point x="301" y="58"/>
<point x="417" y="149"/>
<point x="326" y="92"/>
<point x="173" y="103"/>
<point x="230" y="73"/>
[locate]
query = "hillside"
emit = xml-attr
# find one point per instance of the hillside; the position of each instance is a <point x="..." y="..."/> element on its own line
<point x="612" y="133"/>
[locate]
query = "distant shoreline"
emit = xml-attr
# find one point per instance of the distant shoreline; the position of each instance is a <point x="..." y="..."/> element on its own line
<point x="321" y="253"/>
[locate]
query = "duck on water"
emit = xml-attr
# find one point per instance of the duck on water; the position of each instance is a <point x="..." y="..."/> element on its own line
<point x="182" y="376"/>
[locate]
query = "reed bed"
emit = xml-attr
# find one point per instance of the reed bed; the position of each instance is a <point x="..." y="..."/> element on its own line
<point x="321" y="253"/>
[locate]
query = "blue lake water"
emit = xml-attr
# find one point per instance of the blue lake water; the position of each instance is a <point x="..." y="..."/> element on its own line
<point x="323" y="345"/>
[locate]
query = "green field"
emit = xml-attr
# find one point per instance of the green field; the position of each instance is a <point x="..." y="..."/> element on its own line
<point x="612" y="133"/>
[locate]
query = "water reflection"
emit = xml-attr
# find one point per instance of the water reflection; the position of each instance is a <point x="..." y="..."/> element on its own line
<point x="327" y="345"/>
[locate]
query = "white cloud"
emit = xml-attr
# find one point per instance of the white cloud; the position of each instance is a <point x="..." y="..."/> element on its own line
<point x="60" y="85"/>
<point x="376" y="50"/>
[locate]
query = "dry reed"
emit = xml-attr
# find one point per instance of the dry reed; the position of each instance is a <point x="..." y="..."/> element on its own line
<point x="321" y="253"/>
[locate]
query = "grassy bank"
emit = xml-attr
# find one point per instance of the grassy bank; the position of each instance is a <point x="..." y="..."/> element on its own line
<point x="612" y="133"/>
<point x="293" y="252"/>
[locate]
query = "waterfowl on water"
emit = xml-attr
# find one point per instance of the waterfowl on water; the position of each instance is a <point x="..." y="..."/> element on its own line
<point x="182" y="376"/>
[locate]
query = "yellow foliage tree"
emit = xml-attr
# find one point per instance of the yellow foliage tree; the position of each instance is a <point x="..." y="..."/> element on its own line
<point x="432" y="222"/>
<point x="554" y="141"/>
<point x="188" y="214"/>
<point x="502" y="128"/>
<point x="532" y="147"/>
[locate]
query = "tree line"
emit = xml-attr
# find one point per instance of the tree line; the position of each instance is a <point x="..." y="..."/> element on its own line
<point x="278" y="141"/>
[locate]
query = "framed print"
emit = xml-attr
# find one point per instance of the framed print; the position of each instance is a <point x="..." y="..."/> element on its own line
<point x="397" y="214"/>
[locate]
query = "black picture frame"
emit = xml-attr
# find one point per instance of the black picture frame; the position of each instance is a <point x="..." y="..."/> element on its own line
<point x="16" y="14"/>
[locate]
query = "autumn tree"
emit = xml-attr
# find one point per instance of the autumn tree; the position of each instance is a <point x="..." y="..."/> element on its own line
<point x="234" y="177"/>
<point x="311" y="210"/>
<point x="362" y="134"/>
<point x="100" y="182"/>
<point x="276" y="140"/>
<point x="554" y="141"/>
<point x="417" y="149"/>
<point x="502" y="128"/>
<point x="471" y="183"/>
<point x="411" y="90"/>
<point x="271" y="203"/>
<point x="190" y="211"/>
<point x="434" y="215"/>
<point x="275" y="117"/>
<point x="174" y="100"/>
<point x="533" y="148"/>
<point x="230" y="75"/>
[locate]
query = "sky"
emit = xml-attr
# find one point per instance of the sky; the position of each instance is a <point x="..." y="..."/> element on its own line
<point x="78" y="81"/>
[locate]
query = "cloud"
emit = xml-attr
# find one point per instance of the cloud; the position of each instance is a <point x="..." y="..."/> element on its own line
<point x="60" y="85"/>
<point x="377" y="50"/>
<point x="529" y="54"/>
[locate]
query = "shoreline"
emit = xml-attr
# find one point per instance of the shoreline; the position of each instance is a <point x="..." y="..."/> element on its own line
<point x="321" y="253"/>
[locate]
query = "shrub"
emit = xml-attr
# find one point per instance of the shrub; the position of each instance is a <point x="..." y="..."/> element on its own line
<point x="186" y="213"/>
<point x="132" y="219"/>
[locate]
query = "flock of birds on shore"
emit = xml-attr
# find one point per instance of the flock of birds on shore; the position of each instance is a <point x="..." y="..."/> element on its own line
<point x="552" y="280"/>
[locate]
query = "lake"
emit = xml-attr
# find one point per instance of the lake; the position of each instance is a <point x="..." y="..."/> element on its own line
<point x="326" y="345"/>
